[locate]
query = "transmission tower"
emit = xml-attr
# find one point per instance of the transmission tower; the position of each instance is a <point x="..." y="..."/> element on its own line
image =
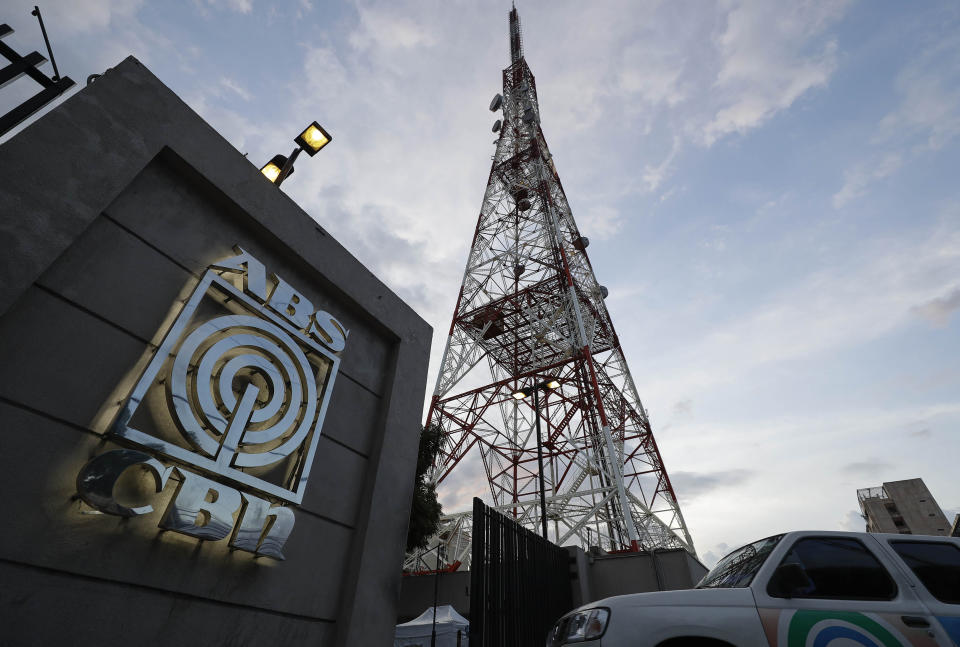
<point x="530" y="311"/>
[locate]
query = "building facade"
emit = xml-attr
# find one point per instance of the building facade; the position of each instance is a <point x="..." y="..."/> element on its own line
<point x="905" y="507"/>
<point x="210" y="408"/>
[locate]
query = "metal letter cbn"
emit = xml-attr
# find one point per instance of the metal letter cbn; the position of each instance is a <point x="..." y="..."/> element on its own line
<point x="262" y="530"/>
<point x="201" y="508"/>
<point x="96" y="480"/>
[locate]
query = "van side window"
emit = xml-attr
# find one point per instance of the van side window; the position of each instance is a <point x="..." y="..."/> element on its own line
<point x="836" y="568"/>
<point x="936" y="564"/>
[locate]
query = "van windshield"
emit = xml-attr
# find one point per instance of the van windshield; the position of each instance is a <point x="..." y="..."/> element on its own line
<point x="737" y="569"/>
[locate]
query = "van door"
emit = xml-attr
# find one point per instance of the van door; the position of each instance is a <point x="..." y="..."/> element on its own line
<point x="835" y="587"/>
<point x="934" y="570"/>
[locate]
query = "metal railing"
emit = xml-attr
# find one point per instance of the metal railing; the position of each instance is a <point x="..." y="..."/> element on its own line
<point x="871" y="493"/>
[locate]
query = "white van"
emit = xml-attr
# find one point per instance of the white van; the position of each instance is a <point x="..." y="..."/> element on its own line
<point x="799" y="589"/>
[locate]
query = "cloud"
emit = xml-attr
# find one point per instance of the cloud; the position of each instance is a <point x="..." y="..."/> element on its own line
<point x="242" y="6"/>
<point x="233" y="125"/>
<point x="937" y="311"/>
<point x="690" y="485"/>
<point x="714" y="554"/>
<point x="654" y="175"/>
<point x="651" y="72"/>
<point x="951" y="513"/>
<point x="235" y="88"/>
<point x="717" y="240"/>
<point x="859" y="178"/>
<point x="468" y="480"/>
<point x="239" y="6"/>
<point x="84" y="16"/>
<point x="389" y="28"/>
<point x="921" y="434"/>
<point x="683" y="407"/>
<point x="929" y="87"/>
<point x="857" y="298"/>
<point x="770" y="57"/>
<point x="802" y="452"/>
<point x="853" y="522"/>
<point x="925" y="119"/>
<point x="602" y="222"/>
<point x="867" y="469"/>
<point x="403" y="181"/>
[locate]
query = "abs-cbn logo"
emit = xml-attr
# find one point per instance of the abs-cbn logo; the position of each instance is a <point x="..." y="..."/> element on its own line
<point x="230" y="407"/>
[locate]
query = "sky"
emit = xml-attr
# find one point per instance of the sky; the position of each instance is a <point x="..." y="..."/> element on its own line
<point x="770" y="190"/>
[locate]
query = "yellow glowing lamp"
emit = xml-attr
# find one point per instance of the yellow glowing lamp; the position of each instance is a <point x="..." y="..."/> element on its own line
<point x="273" y="168"/>
<point x="313" y="139"/>
<point x="553" y="384"/>
<point x="519" y="395"/>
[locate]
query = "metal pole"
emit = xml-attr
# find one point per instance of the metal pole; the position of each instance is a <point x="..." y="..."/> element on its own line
<point x="436" y="582"/>
<point x="543" y="493"/>
<point x="53" y="61"/>
<point x="288" y="166"/>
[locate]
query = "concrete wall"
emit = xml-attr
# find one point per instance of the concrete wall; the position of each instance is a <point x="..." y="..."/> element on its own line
<point x="112" y="206"/>
<point x="919" y="509"/>
<point x="416" y="593"/>
<point x="591" y="578"/>
<point x="911" y="505"/>
<point x="602" y="576"/>
<point x="879" y="518"/>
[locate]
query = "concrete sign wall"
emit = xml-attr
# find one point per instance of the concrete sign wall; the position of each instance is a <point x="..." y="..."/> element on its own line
<point x="209" y="408"/>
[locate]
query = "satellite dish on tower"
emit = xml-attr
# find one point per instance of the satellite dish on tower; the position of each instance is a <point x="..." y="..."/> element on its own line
<point x="496" y="126"/>
<point x="495" y="104"/>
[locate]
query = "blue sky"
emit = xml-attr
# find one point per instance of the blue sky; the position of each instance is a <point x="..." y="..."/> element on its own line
<point x="770" y="190"/>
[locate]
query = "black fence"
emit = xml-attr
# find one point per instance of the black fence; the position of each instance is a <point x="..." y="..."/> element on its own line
<point x="519" y="582"/>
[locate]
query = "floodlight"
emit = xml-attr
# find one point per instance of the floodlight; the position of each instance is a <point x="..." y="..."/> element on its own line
<point x="520" y="395"/>
<point x="552" y="384"/>
<point x="313" y="138"/>
<point x="273" y="168"/>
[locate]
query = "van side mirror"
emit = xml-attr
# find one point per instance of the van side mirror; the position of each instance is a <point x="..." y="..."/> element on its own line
<point x="788" y="580"/>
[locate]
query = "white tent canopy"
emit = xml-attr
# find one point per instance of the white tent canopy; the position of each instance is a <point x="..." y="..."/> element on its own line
<point x="417" y="631"/>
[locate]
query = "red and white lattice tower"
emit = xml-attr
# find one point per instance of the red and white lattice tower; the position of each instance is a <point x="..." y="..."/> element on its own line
<point x="530" y="311"/>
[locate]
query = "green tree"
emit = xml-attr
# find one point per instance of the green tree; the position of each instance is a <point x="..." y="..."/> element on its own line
<point x="426" y="510"/>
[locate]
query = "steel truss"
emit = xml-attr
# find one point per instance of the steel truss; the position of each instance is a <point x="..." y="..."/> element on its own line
<point x="530" y="309"/>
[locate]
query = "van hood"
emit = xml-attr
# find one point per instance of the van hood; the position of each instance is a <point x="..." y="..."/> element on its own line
<point x="683" y="598"/>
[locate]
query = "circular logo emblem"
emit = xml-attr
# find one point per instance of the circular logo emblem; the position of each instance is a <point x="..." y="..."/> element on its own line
<point x="243" y="391"/>
<point x="809" y="628"/>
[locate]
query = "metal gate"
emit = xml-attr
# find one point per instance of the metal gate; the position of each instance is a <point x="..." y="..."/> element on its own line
<point x="519" y="583"/>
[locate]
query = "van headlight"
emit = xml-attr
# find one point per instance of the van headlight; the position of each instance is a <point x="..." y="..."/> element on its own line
<point x="577" y="627"/>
